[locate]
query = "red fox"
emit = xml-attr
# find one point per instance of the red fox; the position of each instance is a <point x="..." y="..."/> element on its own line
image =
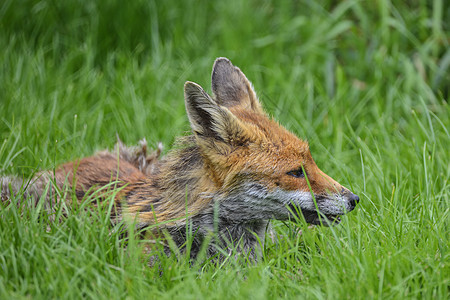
<point x="237" y="170"/>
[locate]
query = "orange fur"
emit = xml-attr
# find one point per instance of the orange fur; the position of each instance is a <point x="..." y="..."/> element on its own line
<point x="237" y="158"/>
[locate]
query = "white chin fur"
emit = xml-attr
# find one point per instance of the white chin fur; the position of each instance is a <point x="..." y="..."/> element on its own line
<point x="334" y="204"/>
<point x="253" y="201"/>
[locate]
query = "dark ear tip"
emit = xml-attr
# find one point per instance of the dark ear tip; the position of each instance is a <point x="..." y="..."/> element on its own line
<point x="222" y="61"/>
<point x="190" y="86"/>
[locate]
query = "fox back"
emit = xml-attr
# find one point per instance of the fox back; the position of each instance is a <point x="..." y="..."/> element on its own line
<point x="237" y="170"/>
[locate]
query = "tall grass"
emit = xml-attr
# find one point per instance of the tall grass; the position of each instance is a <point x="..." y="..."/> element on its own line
<point x="366" y="82"/>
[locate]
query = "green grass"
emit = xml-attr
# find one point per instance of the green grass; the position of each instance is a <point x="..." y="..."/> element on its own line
<point x="366" y="82"/>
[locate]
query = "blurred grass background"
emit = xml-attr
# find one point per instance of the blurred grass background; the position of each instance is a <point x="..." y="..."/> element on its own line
<point x="366" y="82"/>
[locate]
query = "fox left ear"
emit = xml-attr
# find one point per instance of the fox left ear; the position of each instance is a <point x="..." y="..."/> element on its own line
<point x="209" y="121"/>
<point x="232" y="88"/>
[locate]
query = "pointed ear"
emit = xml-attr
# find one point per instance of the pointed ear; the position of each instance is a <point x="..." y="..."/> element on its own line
<point x="232" y="88"/>
<point x="208" y="119"/>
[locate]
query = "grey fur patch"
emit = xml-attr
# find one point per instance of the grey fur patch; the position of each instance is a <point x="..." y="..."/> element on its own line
<point x="10" y="186"/>
<point x="30" y="191"/>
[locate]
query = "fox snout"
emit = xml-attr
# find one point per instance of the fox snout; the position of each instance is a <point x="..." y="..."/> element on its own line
<point x="350" y="199"/>
<point x="353" y="199"/>
<point x="330" y="207"/>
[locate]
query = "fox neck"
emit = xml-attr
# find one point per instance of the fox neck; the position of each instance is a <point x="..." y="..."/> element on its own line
<point x="188" y="187"/>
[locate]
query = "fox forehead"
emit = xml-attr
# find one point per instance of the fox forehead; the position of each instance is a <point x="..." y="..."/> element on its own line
<point x="268" y="138"/>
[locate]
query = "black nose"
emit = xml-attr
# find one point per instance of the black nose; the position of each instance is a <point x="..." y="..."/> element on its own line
<point x="354" y="199"/>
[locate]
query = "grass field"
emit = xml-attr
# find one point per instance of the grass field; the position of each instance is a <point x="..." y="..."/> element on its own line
<point x="366" y="82"/>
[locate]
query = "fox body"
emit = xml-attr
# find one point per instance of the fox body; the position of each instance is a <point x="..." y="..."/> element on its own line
<point x="237" y="170"/>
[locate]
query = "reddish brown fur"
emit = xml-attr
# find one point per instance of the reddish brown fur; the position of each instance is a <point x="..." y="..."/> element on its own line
<point x="258" y="135"/>
<point x="233" y="143"/>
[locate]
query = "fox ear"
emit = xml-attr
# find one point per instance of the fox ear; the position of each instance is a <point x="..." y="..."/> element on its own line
<point x="209" y="120"/>
<point x="232" y="88"/>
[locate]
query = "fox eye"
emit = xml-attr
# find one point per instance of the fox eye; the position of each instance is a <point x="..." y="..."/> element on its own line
<point x="297" y="173"/>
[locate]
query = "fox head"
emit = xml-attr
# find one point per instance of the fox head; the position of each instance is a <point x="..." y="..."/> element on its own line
<point x="259" y="169"/>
